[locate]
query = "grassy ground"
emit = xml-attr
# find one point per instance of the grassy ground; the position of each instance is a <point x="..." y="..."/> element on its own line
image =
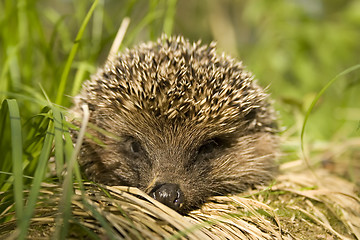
<point x="47" y="48"/>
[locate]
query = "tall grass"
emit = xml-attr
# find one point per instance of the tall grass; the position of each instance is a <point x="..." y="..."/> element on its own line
<point x="47" y="48"/>
<point x="41" y="53"/>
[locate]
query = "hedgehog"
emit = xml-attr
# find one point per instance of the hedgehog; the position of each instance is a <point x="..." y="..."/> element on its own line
<point x="180" y="122"/>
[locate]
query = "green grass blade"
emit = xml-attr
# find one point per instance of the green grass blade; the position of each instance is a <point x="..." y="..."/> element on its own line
<point x="169" y="17"/>
<point x="62" y="221"/>
<point x="69" y="148"/>
<point x="65" y="73"/>
<point x="6" y="177"/>
<point x="89" y="234"/>
<point x="79" y="76"/>
<point x="146" y="21"/>
<point x="17" y="153"/>
<point x="59" y="143"/>
<point x="38" y="178"/>
<point x="103" y="222"/>
<point x="73" y="166"/>
<point x="313" y="103"/>
<point x="34" y="141"/>
<point x="65" y="202"/>
<point x="4" y="83"/>
<point x="98" y="23"/>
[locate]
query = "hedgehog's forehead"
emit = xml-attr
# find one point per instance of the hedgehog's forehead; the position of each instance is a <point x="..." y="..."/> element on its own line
<point x="178" y="81"/>
<point x="181" y="92"/>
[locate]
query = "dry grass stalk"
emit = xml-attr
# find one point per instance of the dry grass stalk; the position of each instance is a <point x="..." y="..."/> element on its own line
<point x="297" y="206"/>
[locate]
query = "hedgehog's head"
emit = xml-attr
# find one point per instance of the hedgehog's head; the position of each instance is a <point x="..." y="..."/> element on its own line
<point x="185" y="124"/>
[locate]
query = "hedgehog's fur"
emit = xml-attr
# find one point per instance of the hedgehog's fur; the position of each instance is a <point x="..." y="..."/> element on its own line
<point x="178" y="113"/>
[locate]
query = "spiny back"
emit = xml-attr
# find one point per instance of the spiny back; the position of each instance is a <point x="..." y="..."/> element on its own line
<point x="179" y="81"/>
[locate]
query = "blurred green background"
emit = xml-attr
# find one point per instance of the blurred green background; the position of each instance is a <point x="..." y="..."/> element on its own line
<point x="293" y="46"/>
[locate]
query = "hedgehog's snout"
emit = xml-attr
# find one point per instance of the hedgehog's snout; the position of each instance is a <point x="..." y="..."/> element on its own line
<point x="169" y="194"/>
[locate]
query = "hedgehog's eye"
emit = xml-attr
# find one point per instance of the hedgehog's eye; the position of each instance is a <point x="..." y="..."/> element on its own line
<point x="132" y="146"/>
<point x="135" y="147"/>
<point x="208" y="147"/>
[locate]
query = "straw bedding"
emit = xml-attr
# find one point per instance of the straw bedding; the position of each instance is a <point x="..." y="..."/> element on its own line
<point x="299" y="205"/>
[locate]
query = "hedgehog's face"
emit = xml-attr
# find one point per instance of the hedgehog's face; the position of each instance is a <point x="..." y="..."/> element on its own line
<point x="173" y="166"/>
<point x="179" y="166"/>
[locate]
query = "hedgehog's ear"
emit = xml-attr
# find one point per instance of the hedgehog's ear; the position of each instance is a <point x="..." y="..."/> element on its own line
<point x="251" y="115"/>
<point x="91" y="107"/>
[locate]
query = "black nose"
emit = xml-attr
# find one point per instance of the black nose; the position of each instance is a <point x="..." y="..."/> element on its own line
<point x="168" y="194"/>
